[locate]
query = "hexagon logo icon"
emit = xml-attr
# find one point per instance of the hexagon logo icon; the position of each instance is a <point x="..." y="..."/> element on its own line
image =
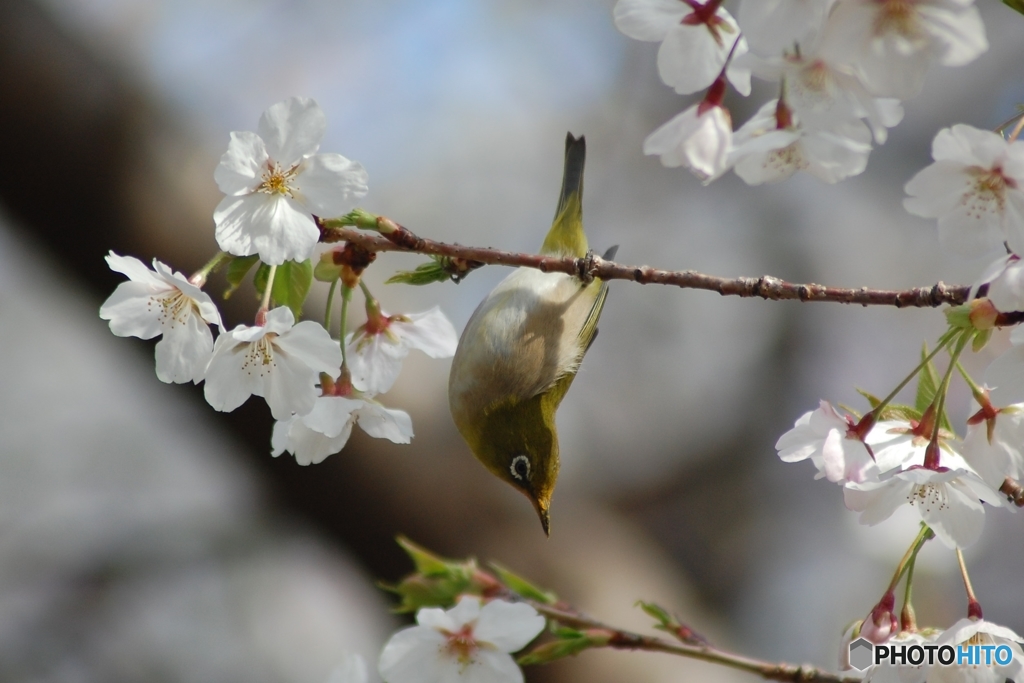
<point x="861" y="651"/>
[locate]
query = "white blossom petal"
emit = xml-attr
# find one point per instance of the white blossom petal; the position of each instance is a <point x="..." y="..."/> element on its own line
<point x="508" y="626"/>
<point x="292" y="129"/>
<point x="184" y="352"/>
<point x="385" y="423"/>
<point x="648" y="20"/>
<point x="241" y="167"/>
<point x="331" y="184"/>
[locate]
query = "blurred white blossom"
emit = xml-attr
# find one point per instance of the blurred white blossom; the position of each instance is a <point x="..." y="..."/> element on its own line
<point x="969" y="632"/>
<point x="699" y="139"/>
<point x="993" y="443"/>
<point x="769" y="148"/>
<point x="466" y="643"/>
<point x="695" y="42"/>
<point x="975" y="188"/>
<point x="828" y="439"/>
<point x="894" y="42"/>
<point x="949" y="501"/>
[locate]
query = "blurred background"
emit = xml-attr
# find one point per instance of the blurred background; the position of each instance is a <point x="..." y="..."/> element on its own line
<point x="144" y="536"/>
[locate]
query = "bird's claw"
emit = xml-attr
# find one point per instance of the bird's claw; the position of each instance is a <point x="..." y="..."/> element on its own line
<point x="586" y="267"/>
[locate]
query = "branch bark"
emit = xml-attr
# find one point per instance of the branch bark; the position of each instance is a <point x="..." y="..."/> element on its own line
<point x="627" y="640"/>
<point x="393" y="237"/>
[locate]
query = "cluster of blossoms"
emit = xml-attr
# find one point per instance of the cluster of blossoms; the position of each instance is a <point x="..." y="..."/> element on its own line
<point x="966" y="632"/>
<point x="276" y="185"/>
<point x="887" y="463"/>
<point x="842" y="67"/>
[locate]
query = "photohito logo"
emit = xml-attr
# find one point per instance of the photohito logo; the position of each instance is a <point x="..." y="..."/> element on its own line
<point x="864" y="654"/>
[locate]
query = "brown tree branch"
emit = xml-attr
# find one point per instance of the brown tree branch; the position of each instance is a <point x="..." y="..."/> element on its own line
<point x="393" y="237"/>
<point x="626" y="640"/>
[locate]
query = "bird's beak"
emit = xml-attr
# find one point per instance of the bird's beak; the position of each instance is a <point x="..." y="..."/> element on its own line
<point x="541" y="506"/>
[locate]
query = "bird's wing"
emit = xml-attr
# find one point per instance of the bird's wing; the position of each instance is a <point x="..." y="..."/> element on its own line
<point x="589" y="329"/>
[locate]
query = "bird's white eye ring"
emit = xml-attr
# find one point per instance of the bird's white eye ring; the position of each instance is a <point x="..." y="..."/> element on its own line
<point x="520" y="467"/>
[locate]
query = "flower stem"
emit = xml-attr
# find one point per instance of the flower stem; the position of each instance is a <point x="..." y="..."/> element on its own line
<point x="198" y="278"/>
<point x="975" y="389"/>
<point x="261" y="315"/>
<point x="908" y="622"/>
<point x="1017" y="128"/>
<point x="931" y="459"/>
<point x="330" y="302"/>
<point x="346" y="297"/>
<point x="973" y="606"/>
<point x="923" y="536"/>
<point x="942" y="343"/>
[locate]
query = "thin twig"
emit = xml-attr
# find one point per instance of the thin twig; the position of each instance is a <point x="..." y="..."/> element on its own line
<point x="399" y="238"/>
<point x="627" y="640"/>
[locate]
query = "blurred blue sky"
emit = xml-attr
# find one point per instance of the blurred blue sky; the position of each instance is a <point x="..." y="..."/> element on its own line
<point x="385" y="72"/>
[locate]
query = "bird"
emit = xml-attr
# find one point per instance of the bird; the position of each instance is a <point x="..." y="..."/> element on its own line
<point x="521" y="349"/>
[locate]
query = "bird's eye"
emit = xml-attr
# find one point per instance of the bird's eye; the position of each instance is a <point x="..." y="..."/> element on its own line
<point x="520" y="468"/>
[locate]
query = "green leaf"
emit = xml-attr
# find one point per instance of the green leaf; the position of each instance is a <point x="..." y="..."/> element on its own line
<point x="658" y="613"/>
<point x="1017" y="5"/>
<point x="927" y="383"/>
<point x="522" y="586"/>
<point x="237" y="269"/>
<point x="437" y="269"/>
<point x="259" y="280"/>
<point x="425" y="274"/>
<point x="291" y="285"/>
<point x="326" y="271"/>
<point x="557" y="649"/>
<point x="981" y="338"/>
<point x="872" y="399"/>
<point x="856" y="414"/>
<point x="437" y="582"/>
<point x="899" y="411"/>
<point x="426" y="562"/>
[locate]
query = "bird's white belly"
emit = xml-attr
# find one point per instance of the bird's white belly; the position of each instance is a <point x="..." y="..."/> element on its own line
<point x="520" y="339"/>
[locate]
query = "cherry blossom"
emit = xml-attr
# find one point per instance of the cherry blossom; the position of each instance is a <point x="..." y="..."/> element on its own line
<point x="974" y="189"/>
<point x="161" y="302"/>
<point x="326" y="428"/>
<point x="829" y="441"/>
<point x="969" y="631"/>
<point x="771" y="26"/>
<point x="278" y="360"/>
<point x="466" y="643"/>
<point x="377" y="348"/>
<point x="698" y="139"/>
<point x="822" y="92"/>
<point x="1005" y="375"/>
<point x="696" y="40"/>
<point x="1003" y="281"/>
<point x="275" y="183"/>
<point x="899" y="444"/>
<point x="894" y="42"/>
<point x="773" y="145"/>
<point x="949" y="501"/>
<point x="887" y="672"/>
<point x="993" y="443"/>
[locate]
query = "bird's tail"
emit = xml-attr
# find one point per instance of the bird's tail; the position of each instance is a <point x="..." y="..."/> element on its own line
<point x="566" y="236"/>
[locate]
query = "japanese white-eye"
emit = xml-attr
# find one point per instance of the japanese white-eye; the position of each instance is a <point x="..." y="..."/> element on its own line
<point x="520" y="352"/>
